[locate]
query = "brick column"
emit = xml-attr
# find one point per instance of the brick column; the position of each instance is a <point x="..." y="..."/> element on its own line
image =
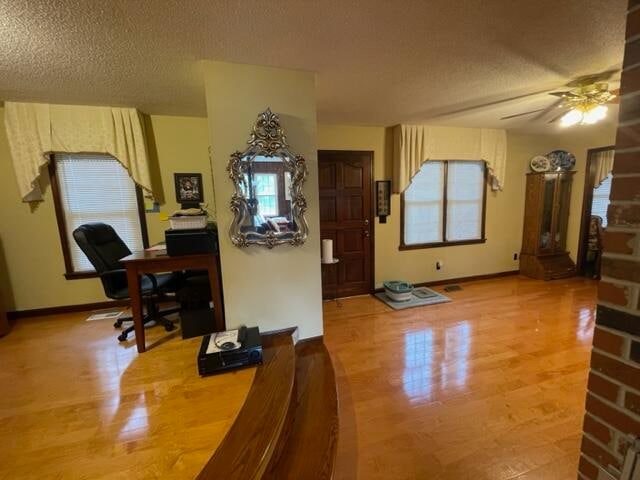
<point x="613" y="396"/>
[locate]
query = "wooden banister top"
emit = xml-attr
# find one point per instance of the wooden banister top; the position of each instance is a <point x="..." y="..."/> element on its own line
<point x="246" y="450"/>
<point x="310" y="449"/>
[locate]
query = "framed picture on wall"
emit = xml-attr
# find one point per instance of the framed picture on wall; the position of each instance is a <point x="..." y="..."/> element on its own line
<point x="383" y="199"/>
<point x="188" y="188"/>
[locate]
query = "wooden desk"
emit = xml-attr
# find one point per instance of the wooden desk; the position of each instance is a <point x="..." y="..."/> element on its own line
<point x="155" y="262"/>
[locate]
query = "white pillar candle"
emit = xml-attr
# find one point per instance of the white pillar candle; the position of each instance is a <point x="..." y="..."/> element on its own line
<point x="327" y="251"/>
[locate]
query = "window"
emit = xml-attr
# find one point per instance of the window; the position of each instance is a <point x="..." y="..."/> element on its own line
<point x="445" y="204"/>
<point x="94" y="188"/>
<point x="601" y="200"/>
<point x="266" y="192"/>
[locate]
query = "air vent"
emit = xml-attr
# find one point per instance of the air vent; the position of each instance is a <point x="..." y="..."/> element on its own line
<point x="452" y="288"/>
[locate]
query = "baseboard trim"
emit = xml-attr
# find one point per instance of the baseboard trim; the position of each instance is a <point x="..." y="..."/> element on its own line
<point x="471" y="278"/>
<point x="83" y="307"/>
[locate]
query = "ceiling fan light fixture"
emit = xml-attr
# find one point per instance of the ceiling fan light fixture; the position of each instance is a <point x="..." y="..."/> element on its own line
<point x="584" y="115"/>
<point x="595" y="114"/>
<point x="571" y="118"/>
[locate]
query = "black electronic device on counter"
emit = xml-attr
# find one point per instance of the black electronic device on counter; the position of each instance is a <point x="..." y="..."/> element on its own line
<point x="228" y="355"/>
<point x="192" y="241"/>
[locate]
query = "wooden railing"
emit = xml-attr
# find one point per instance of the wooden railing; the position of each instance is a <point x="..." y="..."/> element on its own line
<point x="288" y="425"/>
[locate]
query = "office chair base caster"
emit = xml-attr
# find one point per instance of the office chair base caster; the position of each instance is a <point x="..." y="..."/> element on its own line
<point x="169" y="327"/>
<point x="122" y="337"/>
<point x="120" y="320"/>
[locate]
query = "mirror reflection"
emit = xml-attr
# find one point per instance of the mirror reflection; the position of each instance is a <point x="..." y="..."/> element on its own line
<point x="267" y="189"/>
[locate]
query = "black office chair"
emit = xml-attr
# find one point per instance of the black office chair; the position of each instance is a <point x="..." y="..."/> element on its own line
<point x="104" y="249"/>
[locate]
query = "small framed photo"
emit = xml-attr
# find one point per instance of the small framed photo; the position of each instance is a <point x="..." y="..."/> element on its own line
<point x="188" y="188"/>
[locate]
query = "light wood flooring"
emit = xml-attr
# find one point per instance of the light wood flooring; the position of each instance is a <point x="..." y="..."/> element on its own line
<point x="489" y="386"/>
<point x="76" y="404"/>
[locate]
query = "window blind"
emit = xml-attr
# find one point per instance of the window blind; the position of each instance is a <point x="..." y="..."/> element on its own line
<point x="465" y="183"/>
<point x="96" y="188"/>
<point x="601" y="200"/>
<point x="423" y="205"/>
<point x="454" y="186"/>
<point x="266" y="191"/>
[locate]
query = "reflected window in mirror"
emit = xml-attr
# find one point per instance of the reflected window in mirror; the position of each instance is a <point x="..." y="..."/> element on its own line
<point x="266" y="193"/>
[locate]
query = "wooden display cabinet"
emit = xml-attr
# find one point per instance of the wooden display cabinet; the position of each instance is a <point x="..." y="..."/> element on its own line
<point x="544" y="252"/>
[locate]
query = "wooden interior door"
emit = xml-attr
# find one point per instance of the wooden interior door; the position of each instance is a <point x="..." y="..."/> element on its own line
<point x="346" y="217"/>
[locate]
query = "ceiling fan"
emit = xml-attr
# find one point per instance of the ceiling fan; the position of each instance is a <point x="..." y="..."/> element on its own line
<point x="584" y="103"/>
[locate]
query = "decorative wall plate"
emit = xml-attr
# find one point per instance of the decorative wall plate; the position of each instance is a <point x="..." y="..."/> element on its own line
<point x="561" y="160"/>
<point x="540" y="163"/>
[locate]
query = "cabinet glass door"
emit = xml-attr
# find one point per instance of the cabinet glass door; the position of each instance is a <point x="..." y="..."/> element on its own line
<point x="562" y="221"/>
<point x="546" y="226"/>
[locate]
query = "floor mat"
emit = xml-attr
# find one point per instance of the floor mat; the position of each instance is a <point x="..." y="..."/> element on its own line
<point x="421" y="296"/>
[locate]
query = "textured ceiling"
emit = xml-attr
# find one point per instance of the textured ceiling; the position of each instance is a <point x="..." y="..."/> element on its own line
<point x="379" y="62"/>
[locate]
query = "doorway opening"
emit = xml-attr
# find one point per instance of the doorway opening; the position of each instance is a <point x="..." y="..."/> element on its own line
<point x="597" y="187"/>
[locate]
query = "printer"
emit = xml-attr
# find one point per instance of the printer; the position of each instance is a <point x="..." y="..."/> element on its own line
<point x="192" y="241"/>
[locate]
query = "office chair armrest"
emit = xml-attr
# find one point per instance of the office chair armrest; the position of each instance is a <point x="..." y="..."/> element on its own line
<point x="113" y="273"/>
<point x="114" y="281"/>
<point x="121" y="271"/>
<point x="154" y="281"/>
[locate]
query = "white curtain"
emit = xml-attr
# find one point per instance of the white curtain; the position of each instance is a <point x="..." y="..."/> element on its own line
<point x="35" y="130"/>
<point x="604" y="165"/>
<point x="416" y="144"/>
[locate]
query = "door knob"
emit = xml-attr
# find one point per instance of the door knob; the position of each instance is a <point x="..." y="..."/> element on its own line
<point x="366" y="233"/>
<point x="366" y="221"/>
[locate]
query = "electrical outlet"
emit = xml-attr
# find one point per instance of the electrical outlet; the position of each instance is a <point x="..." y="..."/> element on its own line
<point x="515" y="256"/>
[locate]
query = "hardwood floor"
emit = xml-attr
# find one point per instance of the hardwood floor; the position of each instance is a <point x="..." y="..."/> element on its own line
<point x="76" y="404"/>
<point x="489" y="386"/>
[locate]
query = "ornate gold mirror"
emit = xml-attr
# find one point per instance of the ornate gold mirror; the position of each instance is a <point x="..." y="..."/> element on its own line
<point x="268" y="202"/>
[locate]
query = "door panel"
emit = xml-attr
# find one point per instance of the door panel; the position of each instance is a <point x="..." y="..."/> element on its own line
<point x="354" y="270"/>
<point x="353" y="175"/>
<point x="327" y="176"/>
<point x="353" y="241"/>
<point x="353" y="208"/>
<point x="328" y="209"/>
<point x="345" y="181"/>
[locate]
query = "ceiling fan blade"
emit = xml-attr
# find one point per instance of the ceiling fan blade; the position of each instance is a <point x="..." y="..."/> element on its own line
<point x="594" y="78"/>
<point x="522" y="114"/>
<point x="564" y="94"/>
<point x="608" y="74"/>
<point x="557" y="117"/>
<point x="558" y="103"/>
<point x="465" y="108"/>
